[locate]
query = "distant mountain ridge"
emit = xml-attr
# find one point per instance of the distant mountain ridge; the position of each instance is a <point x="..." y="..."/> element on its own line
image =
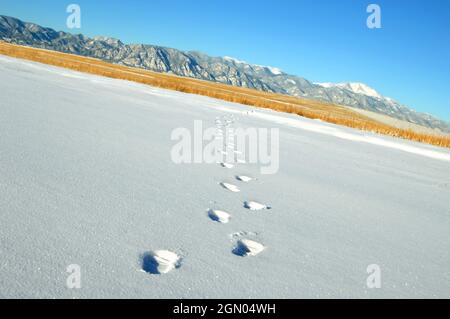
<point x="218" y="69"/>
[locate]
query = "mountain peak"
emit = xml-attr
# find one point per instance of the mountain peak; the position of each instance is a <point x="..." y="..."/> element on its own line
<point x="231" y="59"/>
<point x="355" y="87"/>
<point x="271" y="69"/>
<point x="108" y="40"/>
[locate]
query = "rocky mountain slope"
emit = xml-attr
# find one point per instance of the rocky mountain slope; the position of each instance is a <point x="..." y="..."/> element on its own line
<point x="218" y="69"/>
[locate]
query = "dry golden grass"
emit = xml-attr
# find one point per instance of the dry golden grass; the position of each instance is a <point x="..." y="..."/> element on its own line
<point x="308" y="108"/>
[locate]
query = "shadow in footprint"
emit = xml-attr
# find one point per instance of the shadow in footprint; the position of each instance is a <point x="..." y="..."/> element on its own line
<point x="149" y="264"/>
<point x="240" y="250"/>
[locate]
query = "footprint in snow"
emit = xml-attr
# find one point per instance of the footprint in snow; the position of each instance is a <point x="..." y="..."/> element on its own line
<point x="230" y="187"/>
<point x="160" y="261"/>
<point x="244" y="178"/>
<point x="247" y="247"/>
<point x="227" y="165"/>
<point x="255" y="205"/>
<point x="219" y="216"/>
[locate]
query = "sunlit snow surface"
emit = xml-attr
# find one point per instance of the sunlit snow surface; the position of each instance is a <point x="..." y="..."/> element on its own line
<point x="86" y="178"/>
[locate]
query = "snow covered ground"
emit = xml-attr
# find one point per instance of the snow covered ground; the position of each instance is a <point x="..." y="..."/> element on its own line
<point x="86" y="178"/>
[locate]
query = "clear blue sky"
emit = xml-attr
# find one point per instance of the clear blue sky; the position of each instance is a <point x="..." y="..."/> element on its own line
<point x="322" y="40"/>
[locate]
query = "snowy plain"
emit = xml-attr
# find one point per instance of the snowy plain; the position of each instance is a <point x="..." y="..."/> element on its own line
<point x="86" y="178"/>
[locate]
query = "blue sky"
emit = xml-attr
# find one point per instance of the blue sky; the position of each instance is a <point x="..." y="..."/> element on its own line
<point x="322" y="40"/>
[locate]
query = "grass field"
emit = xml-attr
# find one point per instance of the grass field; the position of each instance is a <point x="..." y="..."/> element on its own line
<point x="308" y="108"/>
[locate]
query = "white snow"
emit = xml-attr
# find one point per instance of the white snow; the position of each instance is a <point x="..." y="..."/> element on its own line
<point x="275" y="71"/>
<point x="234" y="60"/>
<point x="86" y="179"/>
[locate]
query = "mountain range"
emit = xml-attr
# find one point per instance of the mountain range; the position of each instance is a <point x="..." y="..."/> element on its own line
<point x="198" y="65"/>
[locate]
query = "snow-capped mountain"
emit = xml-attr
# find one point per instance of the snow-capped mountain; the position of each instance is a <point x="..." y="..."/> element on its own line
<point x="198" y="65"/>
<point x="271" y="69"/>
<point x="359" y="88"/>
